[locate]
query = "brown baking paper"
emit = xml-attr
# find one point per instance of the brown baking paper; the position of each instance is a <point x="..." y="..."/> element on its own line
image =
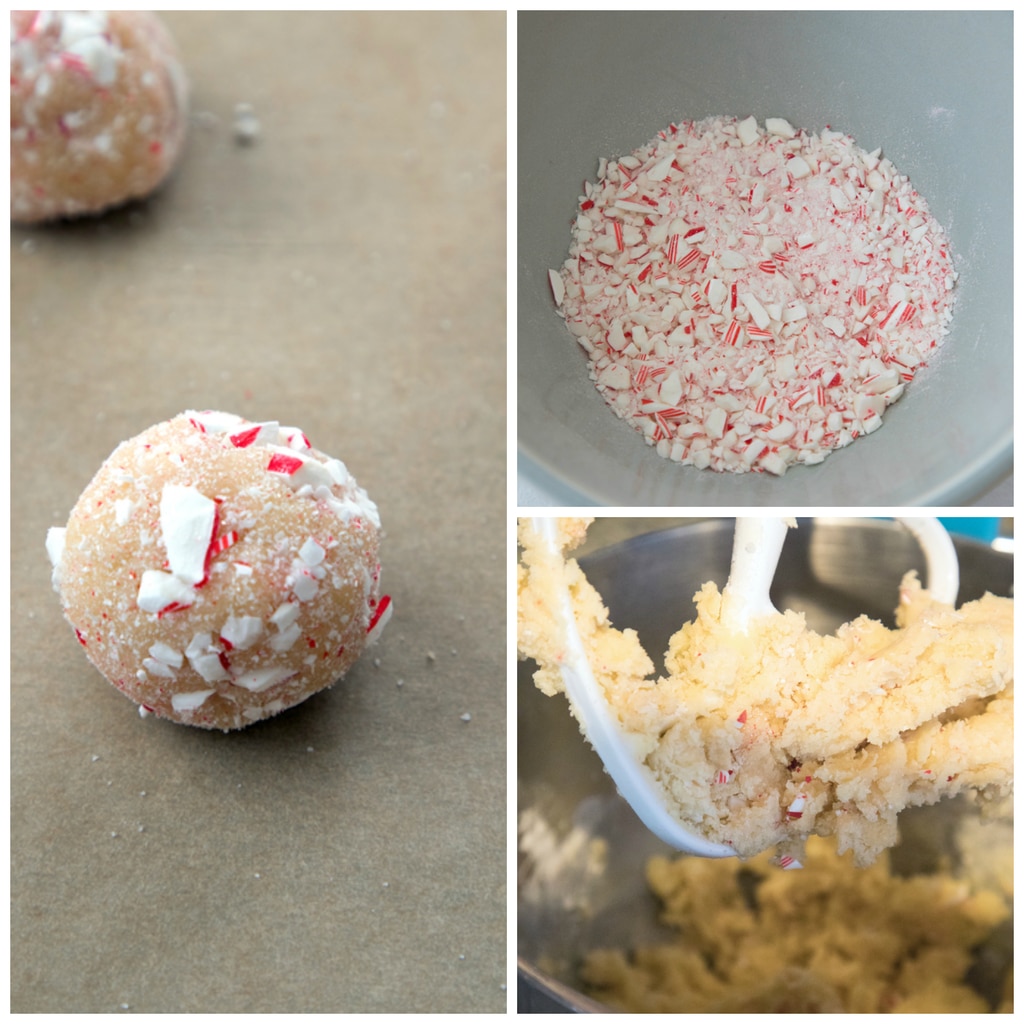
<point x="343" y="271"/>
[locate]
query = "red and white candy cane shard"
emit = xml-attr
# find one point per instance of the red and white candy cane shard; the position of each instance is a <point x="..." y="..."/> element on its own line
<point x="244" y="438"/>
<point x="796" y="808"/>
<point x="285" y="465"/>
<point x="379" y="618"/>
<point x="894" y="315"/>
<point x="223" y="542"/>
<point x="688" y="260"/>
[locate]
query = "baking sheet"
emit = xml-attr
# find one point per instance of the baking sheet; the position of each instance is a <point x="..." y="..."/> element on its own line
<point x="345" y="273"/>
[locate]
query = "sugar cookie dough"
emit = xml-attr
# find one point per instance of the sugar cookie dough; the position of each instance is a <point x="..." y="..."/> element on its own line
<point x="98" y="110"/>
<point x="831" y="939"/>
<point x="218" y="571"/>
<point x="762" y="740"/>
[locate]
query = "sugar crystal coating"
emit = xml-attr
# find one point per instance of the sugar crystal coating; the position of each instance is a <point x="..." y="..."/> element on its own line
<point x="209" y="587"/>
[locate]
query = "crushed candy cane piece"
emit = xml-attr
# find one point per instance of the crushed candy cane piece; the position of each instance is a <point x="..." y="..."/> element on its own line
<point x="241" y="632"/>
<point x="191" y="700"/>
<point x="311" y="553"/>
<point x="161" y="591"/>
<point x="187" y="521"/>
<point x="260" y="679"/>
<point x="379" y="618"/>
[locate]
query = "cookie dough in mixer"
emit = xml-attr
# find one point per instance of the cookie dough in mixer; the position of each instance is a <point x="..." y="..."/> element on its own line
<point x="762" y="739"/>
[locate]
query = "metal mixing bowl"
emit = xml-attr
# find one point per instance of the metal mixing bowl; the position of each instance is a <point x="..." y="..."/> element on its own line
<point x="832" y="570"/>
<point x="934" y="90"/>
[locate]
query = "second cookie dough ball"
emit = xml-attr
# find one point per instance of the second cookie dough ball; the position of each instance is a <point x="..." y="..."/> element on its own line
<point x="98" y="110"/>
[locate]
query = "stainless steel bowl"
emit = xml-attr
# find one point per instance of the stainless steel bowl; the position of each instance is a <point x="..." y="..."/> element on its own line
<point x="832" y="570"/>
<point x="933" y="89"/>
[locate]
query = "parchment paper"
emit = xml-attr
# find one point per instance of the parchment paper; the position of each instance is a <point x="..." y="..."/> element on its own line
<point x="345" y="273"/>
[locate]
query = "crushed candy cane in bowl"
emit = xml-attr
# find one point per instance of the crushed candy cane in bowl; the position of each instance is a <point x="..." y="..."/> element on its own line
<point x="808" y="247"/>
<point x="753" y="296"/>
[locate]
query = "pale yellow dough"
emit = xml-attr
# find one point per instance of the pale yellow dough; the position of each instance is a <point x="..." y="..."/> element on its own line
<point x="831" y="939"/>
<point x="763" y="739"/>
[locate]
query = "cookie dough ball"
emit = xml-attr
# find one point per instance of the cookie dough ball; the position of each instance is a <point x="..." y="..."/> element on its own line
<point x="98" y="110"/>
<point x="219" y="571"/>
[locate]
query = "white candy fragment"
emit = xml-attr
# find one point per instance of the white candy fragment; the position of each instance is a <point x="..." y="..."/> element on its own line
<point x="285" y="640"/>
<point x="616" y="337"/>
<point x="746" y="131"/>
<point x="660" y="171"/>
<point x="783" y="432"/>
<point x="260" y="679"/>
<point x="671" y="389"/>
<point x="779" y="126"/>
<point x="785" y="367"/>
<point x="159" y="590"/>
<point x="242" y="632"/>
<point x="55" y="537"/>
<point x="82" y="35"/>
<point x="158" y="668"/>
<point x="835" y="325"/>
<point x="304" y="586"/>
<point x="285" y="615"/>
<point x="557" y="286"/>
<point x="714" y="424"/>
<point x="209" y="666"/>
<point x="338" y="472"/>
<point x="167" y="654"/>
<point x="881" y="382"/>
<point x="205" y="658"/>
<point x="190" y="701"/>
<point x="187" y="521"/>
<point x="756" y="310"/>
<point x="839" y="198"/>
<point x="640" y="338"/>
<point x="199" y="644"/>
<point x="716" y="292"/>
<point x="615" y="376"/>
<point x="798" y="167"/>
<point x="311" y="553"/>
<point x="78" y="25"/>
